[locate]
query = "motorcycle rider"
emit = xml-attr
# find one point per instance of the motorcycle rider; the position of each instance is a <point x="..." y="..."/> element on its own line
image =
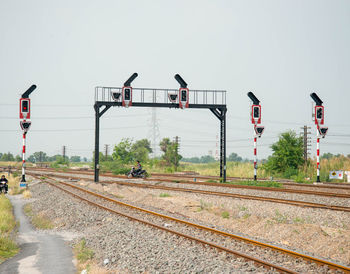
<point x="138" y="167"/>
<point x="3" y="182"/>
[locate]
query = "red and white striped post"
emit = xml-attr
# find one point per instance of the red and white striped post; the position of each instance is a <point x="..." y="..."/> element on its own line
<point x="320" y="130"/>
<point x="24" y="113"/>
<point x="24" y="157"/>
<point x="255" y="116"/>
<point x="318" y="154"/>
<point x="255" y="159"/>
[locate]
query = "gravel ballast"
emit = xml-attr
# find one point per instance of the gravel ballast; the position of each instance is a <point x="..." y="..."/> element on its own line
<point x="130" y="246"/>
<point x="325" y="233"/>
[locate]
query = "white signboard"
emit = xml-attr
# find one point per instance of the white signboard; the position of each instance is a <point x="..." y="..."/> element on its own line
<point x="336" y="174"/>
<point x="348" y="175"/>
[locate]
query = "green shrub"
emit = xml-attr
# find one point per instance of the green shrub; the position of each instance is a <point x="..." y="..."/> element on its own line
<point x="163" y="195"/>
<point x="257" y="183"/>
<point x="299" y="178"/>
<point x="290" y="172"/>
<point x="225" y="215"/>
<point x="82" y="252"/>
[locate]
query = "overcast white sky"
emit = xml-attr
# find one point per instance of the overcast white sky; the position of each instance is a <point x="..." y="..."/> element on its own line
<point x="280" y="50"/>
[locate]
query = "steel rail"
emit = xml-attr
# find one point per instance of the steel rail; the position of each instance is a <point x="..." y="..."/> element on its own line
<point x="238" y="254"/>
<point x="216" y="193"/>
<point x="219" y="232"/>
<point x="273" y="189"/>
<point x="155" y="176"/>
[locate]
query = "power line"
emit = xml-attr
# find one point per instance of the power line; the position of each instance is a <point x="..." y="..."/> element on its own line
<point x="72" y="117"/>
<point x="63" y="130"/>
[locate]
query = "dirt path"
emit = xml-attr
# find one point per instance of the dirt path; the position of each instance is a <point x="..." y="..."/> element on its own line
<point x="40" y="252"/>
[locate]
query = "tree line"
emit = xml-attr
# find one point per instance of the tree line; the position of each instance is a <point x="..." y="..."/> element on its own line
<point x="40" y="156"/>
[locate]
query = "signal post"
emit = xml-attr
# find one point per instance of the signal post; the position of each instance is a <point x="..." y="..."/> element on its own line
<point x="258" y="130"/>
<point x="320" y="130"/>
<point x="24" y="114"/>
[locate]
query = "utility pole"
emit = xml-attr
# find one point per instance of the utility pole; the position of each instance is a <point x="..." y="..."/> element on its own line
<point x="306" y="142"/>
<point x="64" y="153"/>
<point x="106" y="151"/>
<point x="176" y="140"/>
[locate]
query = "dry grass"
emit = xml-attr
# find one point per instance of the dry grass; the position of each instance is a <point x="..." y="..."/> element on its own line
<point x="8" y="248"/>
<point x="233" y="169"/>
<point x="27" y="194"/>
<point x="84" y="256"/>
<point x="327" y="165"/>
<point x="39" y="221"/>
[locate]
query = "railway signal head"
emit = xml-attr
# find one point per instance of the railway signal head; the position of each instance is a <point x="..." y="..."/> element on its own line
<point x="183" y="98"/>
<point x="116" y="95"/>
<point x="323" y="131"/>
<point x="172" y="97"/>
<point x="24" y="108"/>
<point x="25" y="125"/>
<point x="317" y="99"/>
<point x="253" y="98"/>
<point x="319" y="115"/>
<point x="259" y="130"/>
<point x="127" y="96"/>
<point x="256" y="114"/>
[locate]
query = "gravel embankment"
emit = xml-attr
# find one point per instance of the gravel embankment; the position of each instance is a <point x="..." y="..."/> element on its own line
<point x="113" y="237"/>
<point x="325" y="233"/>
<point x="130" y="246"/>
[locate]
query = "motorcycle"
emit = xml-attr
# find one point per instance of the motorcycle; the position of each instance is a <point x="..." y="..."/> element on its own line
<point x="3" y="188"/>
<point x="137" y="174"/>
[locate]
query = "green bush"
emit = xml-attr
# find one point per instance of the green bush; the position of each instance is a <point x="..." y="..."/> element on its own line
<point x="82" y="252"/>
<point x="290" y="172"/>
<point x="299" y="178"/>
<point x="115" y="167"/>
<point x="257" y="183"/>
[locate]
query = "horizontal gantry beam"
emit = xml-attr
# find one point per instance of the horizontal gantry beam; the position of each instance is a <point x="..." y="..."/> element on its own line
<point x="160" y="105"/>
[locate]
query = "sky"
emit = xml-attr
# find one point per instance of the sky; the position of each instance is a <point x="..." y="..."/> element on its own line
<point x="279" y="50"/>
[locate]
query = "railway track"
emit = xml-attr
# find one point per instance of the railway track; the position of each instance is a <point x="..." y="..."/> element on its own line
<point x="165" y="177"/>
<point x="216" y="193"/>
<point x="225" y="185"/>
<point x="218" y="239"/>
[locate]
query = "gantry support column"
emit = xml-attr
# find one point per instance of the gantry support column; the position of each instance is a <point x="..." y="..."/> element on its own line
<point x="220" y="113"/>
<point x="98" y="114"/>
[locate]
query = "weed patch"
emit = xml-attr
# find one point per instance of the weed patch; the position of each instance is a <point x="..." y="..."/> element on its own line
<point x="83" y="253"/>
<point x="298" y="220"/>
<point x="225" y="215"/>
<point x="27" y="194"/>
<point x="8" y="248"/>
<point x="163" y="195"/>
<point x="257" y="183"/>
<point x="39" y="221"/>
<point x="204" y="205"/>
<point x="279" y="218"/>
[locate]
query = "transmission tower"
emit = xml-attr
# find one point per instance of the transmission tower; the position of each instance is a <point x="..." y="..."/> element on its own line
<point x="154" y="132"/>
<point x="106" y="152"/>
<point x="64" y="152"/>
